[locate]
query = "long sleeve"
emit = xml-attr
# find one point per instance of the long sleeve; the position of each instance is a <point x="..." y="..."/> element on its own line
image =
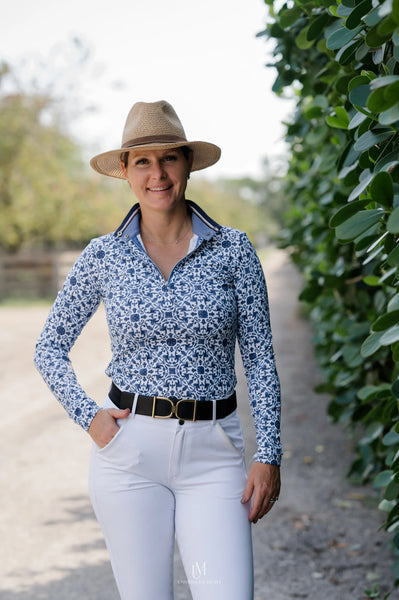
<point x="73" y="307"/>
<point x="255" y="341"/>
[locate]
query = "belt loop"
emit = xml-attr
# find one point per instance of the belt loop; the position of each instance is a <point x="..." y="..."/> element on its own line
<point x="213" y="412"/>
<point x="136" y="397"/>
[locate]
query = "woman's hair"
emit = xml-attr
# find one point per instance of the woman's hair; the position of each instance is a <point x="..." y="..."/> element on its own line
<point x="186" y="150"/>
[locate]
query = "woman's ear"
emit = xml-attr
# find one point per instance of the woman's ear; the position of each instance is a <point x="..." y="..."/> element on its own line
<point x="125" y="172"/>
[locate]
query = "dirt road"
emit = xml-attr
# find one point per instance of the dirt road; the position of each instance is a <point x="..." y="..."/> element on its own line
<point x="320" y="542"/>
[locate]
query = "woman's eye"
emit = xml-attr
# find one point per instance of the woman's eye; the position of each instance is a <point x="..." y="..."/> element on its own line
<point x="141" y="161"/>
<point x="170" y="157"/>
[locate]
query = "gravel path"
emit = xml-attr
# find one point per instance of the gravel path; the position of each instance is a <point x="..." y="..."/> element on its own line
<point x="320" y="542"/>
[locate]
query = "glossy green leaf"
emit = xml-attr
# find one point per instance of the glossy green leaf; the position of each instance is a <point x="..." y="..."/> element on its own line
<point x="393" y="304"/>
<point x="379" y="82"/>
<point x="358" y="224"/>
<point x="393" y="221"/>
<point x="367" y="393"/>
<point x="381" y="189"/>
<point x="386" y="506"/>
<point x="372" y="433"/>
<point x="357" y="81"/>
<point x="373" y="17"/>
<point x="316" y="27"/>
<point x="371" y="344"/>
<point x="389" y="276"/>
<point x="386" y="321"/>
<point x="393" y="257"/>
<point x="392" y="491"/>
<point x="347" y="53"/>
<point x="387" y="26"/>
<point x="395" y="10"/>
<point x="378" y="100"/>
<point x="372" y="280"/>
<point x="372" y="138"/>
<point x="390" y="336"/>
<point x="349" y="157"/>
<point x="395" y="386"/>
<point x="357" y="13"/>
<point x="344" y="11"/>
<point x="392" y="92"/>
<point x="389" y="116"/>
<point x="378" y="55"/>
<point x="347" y="211"/>
<point x="359" y="95"/>
<point x="362" y="51"/>
<point x="361" y="187"/>
<point x="391" y="438"/>
<point x="395" y="357"/>
<point x="387" y="161"/>
<point x="341" y="37"/>
<point x="383" y="479"/>
<point x="340" y="119"/>
<point x="356" y="120"/>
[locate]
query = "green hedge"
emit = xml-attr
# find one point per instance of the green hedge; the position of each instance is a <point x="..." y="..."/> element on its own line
<point x="341" y="63"/>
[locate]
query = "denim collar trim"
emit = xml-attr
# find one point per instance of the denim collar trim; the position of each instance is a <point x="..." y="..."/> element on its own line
<point x="203" y="225"/>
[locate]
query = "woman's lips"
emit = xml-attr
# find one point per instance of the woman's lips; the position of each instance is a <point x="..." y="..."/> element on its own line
<point x="159" y="189"/>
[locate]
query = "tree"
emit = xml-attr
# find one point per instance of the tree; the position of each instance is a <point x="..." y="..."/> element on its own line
<point x="342" y="61"/>
<point x="47" y="195"/>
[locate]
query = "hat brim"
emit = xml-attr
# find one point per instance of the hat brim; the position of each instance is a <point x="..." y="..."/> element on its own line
<point x="108" y="163"/>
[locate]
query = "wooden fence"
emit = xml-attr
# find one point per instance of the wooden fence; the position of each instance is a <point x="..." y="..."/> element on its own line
<point x="34" y="274"/>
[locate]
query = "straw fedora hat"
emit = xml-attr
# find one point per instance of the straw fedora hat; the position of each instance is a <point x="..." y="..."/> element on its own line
<point x="154" y="126"/>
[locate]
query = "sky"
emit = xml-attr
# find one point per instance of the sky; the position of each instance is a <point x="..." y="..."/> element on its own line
<point x="201" y="56"/>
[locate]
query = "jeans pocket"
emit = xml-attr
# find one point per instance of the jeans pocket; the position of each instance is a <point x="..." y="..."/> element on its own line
<point x="230" y="430"/>
<point x="114" y="440"/>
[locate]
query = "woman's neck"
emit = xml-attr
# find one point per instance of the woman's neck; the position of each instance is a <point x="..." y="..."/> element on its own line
<point x="166" y="229"/>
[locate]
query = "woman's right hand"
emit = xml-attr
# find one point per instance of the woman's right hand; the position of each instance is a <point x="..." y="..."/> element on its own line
<point x="104" y="426"/>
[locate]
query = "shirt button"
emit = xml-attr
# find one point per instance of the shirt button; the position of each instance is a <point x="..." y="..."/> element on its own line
<point x="181" y="422"/>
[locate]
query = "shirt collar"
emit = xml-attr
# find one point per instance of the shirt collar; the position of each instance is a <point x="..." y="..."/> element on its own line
<point x="203" y="225"/>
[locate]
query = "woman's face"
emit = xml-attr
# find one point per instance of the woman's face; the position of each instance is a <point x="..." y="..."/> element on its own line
<point x="158" y="178"/>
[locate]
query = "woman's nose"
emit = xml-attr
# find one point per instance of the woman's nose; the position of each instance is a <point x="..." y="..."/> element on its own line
<point x="157" y="170"/>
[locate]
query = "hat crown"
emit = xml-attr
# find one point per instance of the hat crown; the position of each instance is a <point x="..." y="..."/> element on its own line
<point x="150" y="122"/>
<point x="153" y="126"/>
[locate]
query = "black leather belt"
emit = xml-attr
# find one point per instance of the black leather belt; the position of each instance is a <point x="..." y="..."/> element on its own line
<point x="165" y="408"/>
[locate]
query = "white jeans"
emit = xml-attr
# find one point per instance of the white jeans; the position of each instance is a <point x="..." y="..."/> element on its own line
<point x="157" y="478"/>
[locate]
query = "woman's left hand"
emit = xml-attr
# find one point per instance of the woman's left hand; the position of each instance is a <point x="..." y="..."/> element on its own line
<point x="264" y="484"/>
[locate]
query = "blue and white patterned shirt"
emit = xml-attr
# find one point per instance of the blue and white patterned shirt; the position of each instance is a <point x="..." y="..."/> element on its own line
<point x="172" y="338"/>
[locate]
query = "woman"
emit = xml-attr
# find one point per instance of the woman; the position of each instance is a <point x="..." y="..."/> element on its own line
<point x="168" y="454"/>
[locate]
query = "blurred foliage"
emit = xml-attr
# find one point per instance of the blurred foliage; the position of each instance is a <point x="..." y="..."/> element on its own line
<point x="255" y="206"/>
<point x="49" y="197"/>
<point x="341" y="59"/>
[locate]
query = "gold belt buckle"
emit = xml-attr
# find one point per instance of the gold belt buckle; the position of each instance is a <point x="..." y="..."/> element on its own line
<point x="194" y="409"/>
<point x="174" y="408"/>
<point x="154" y="401"/>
